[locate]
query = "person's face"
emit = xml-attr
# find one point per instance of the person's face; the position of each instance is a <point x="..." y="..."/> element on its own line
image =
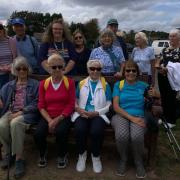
<point x="95" y="71"/>
<point x="56" y="67"/>
<point x="174" y="40"/>
<point x="113" y="28"/>
<point x="57" y="30"/>
<point x="107" y="40"/>
<point x="130" y="74"/>
<point x="22" y="71"/>
<point x="139" y="41"/>
<point x="78" y="39"/>
<point x="19" y="29"/>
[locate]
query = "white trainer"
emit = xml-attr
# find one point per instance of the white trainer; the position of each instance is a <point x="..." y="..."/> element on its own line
<point x="81" y="164"/>
<point x="97" y="165"/>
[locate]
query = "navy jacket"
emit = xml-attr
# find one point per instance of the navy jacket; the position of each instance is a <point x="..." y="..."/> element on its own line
<point x="30" y="111"/>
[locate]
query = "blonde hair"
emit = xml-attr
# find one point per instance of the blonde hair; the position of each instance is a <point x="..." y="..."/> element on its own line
<point x="80" y="32"/>
<point x="143" y="36"/>
<point x="55" y="57"/>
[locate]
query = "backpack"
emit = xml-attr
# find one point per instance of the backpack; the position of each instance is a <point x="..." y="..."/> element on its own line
<point x="47" y="81"/>
<point x="102" y="79"/>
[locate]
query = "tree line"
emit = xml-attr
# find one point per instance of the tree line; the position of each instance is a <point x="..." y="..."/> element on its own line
<point x="37" y="22"/>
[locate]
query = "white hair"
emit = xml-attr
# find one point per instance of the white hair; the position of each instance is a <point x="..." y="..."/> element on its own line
<point x="94" y="61"/>
<point x="142" y="35"/>
<point x="20" y="61"/>
<point x="106" y="32"/>
<point x="55" y="56"/>
<point x="175" y="31"/>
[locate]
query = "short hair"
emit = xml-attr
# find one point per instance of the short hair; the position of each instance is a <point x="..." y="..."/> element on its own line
<point x="142" y="35"/>
<point x="80" y="32"/>
<point x="130" y="64"/>
<point x="56" y="57"/>
<point x="175" y="31"/>
<point x="106" y="32"/>
<point x="92" y="61"/>
<point x="20" y="61"/>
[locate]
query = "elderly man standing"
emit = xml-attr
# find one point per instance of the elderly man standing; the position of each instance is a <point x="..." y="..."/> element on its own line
<point x="112" y="24"/>
<point x="27" y="46"/>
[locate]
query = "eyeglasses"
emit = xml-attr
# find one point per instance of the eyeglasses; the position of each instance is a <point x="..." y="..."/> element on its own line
<point x="21" y="68"/>
<point x="57" y="67"/>
<point x="131" y="70"/>
<point x="78" y="37"/>
<point x="94" y="68"/>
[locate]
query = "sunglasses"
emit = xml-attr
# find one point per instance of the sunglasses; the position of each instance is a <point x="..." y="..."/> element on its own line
<point x="21" y="68"/>
<point x="131" y="70"/>
<point x="57" y="67"/>
<point x="94" y="68"/>
<point x="78" y="37"/>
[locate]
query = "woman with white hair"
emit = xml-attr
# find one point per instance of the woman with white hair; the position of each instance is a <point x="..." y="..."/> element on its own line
<point x="93" y="100"/>
<point x="18" y="100"/>
<point x="168" y="95"/>
<point x="109" y="55"/>
<point x="144" y="56"/>
<point x="56" y="104"/>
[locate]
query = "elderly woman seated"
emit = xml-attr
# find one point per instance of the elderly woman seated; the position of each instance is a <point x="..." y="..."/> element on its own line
<point x="109" y="55"/>
<point x="93" y="101"/>
<point x="56" y="104"/>
<point x="129" y="123"/>
<point x="19" y="109"/>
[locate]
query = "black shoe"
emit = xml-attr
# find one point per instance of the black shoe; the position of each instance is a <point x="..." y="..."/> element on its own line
<point x="140" y="172"/>
<point x="62" y="162"/>
<point x="42" y="162"/>
<point x="19" y="168"/>
<point x="7" y="159"/>
<point x="121" y="169"/>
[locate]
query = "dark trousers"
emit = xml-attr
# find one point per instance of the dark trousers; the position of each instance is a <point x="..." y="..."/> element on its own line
<point x="95" y="128"/>
<point x="61" y="133"/>
<point x="168" y="99"/>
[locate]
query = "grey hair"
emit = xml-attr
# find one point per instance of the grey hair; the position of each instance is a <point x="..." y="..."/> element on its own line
<point x="92" y="61"/>
<point x="106" y="32"/>
<point x="142" y="35"/>
<point x="20" y="61"/>
<point x="175" y="31"/>
<point x="54" y="57"/>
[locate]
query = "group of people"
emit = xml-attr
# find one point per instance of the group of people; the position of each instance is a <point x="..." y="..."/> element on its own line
<point x="55" y="103"/>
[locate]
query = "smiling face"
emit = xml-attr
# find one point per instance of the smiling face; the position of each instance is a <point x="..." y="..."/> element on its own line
<point x="22" y="72"/>
<point x="56" y="66"/>
<point x="57" y="30"/>
<point x="174" y="40"/>
<point x="19" y="29"/>
<point x="139" y="41"/>
<point x="78" y="39"/>
<point x="107" y="40"/>
<point x="94" y="70"/>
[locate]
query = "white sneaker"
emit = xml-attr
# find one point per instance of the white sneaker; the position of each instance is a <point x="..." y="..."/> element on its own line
<point x="97" y="165"/>
<point x="81" y="164"/>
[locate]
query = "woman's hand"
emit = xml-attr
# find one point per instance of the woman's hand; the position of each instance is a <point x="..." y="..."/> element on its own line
<point x="139" y="121"/>
<point x="82" y="112"/>
<point x="14" y="115"/>
<point x="53" y="124"/>
<point x="92" y="114"/>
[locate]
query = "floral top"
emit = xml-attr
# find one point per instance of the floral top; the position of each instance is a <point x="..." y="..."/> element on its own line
<point x="170" y="54"/>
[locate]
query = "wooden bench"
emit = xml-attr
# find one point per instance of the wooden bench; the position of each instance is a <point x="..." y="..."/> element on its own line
<point x="150" y="137"/>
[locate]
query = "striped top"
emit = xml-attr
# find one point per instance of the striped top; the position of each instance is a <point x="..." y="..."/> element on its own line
<point x="6" y="56"/>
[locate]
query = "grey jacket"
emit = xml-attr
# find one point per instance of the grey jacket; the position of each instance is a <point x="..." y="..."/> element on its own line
<point x="30" y="110"/>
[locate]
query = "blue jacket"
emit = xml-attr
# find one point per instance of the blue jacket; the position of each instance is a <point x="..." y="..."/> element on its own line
<point x="30" y="111"/>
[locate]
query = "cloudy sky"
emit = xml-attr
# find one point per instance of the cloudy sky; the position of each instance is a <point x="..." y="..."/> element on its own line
<point x="155" y="15"/>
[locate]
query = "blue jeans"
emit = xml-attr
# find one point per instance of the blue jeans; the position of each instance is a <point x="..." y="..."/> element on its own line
<point x="4" y="78"/>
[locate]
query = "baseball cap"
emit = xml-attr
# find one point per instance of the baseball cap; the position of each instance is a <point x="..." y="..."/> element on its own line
<point x="17" y="21"/>
<point x="112" y="21"/>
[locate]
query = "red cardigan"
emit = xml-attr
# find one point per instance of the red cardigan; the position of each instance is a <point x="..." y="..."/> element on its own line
<point x="57" y="102"/>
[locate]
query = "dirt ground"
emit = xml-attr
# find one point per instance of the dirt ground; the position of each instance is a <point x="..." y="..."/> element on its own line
<point x="109" y="160"/>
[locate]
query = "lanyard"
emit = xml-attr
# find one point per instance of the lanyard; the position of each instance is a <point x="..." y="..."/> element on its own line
<point x="57" y="47"/>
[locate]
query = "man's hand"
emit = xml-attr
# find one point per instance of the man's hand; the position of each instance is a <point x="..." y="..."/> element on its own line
<point x="14" y="115"/>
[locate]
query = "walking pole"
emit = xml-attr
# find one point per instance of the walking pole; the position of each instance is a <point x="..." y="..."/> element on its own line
<point x="172" y="139"/>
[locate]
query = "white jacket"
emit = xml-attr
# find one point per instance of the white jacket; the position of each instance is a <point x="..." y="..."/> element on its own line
<point x="174" y="75"/>
<point x="101" y="105"/>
